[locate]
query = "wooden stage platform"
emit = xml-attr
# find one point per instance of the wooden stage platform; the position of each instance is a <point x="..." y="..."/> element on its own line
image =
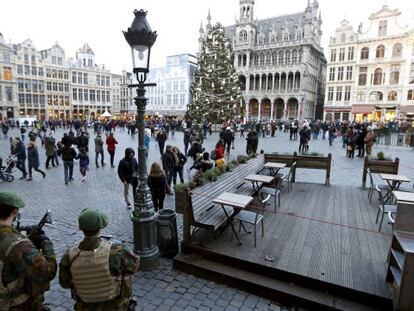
<point x="321" y="238"/>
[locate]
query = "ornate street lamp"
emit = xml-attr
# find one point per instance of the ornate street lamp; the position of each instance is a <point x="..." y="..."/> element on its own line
<point x="141" y="38"/>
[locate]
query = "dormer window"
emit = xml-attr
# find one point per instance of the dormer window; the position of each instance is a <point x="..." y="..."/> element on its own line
<point x="382" y="28"/>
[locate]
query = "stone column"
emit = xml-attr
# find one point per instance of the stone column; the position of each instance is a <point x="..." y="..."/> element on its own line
<point x="258" y="112"/>
<point x="247" y="107"/>
<point x="271" y="111"/>
<point x="285" y="110"/>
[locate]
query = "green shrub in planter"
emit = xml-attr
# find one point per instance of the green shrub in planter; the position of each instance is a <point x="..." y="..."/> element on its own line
<point x="178" y="188"/>
<point x="198" y="179"/>
<point x="191" y="184"/>
<point x="216" y="171"/>
<point x="209" y="175"/>
<point x="381" y="156"/>
<point x="234" y="163"/>
<point x="242" y="159"/>
<point x="229" y="167"/>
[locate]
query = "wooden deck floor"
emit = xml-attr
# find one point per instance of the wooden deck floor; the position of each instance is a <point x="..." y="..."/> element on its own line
<point x="342" y="248"/>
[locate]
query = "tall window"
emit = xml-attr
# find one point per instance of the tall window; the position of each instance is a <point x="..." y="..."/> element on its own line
<point x="347" y="94"/>
<point x="330" y="93"/>
<point x="397" y="50"/>
<point x="9" y="94"/>
<point x="341" y="54"/>
<point x="261" y="60"/>
<point x="339" y="93"/>
<point x="351" y="53"/>
<point x="268" y="58"/>
<point x="362" y="80"/>
<point x="392" y="96"/>
<point x="411" y="78"/>
<point x="410" y="95"/>
<point x="243" y="36"/>
<point x="85" y="79"/>
<point x="349" y="73"/>
<point x="333" y="55"/>
<point x="280" y="58"/>
<point x="73" y="77"/>
<point x="340" y="73"/>
<point x="294" y="57"/>
<point x="365" y="53"/>
<point x="287" y="57"/>
<point x="395" y="74"/>
<point x="380" y="51"/>
<point x="332" y="74"/>
<point x="382" y="28"/>
<point x="378" y="76"/>
<point x="361" y="97"/>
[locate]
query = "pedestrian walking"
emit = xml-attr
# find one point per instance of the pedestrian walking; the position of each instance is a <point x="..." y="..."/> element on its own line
<point x="99" y="149"/>
<point x="304" y="137"/>
<point x="128" y="173"/>
<point x="20" y="153"/>
<point x="369" y="141"/>
<point x="228" y="137"/>
<point x="168" y="164"/>
<point x="180" y="160"/>
<point x="97" y="271"/>
<point x="111" y="146"/>
<point x="83" y="158"/>
<point x="33" y="160"/>
<point x="50" y="146"/>
<point x="68" y="156"/>
<point x="28" y="264"/>
<point x="157" y="182"/>
<point x="161" y="138"/>
<point x="187" y="136"/>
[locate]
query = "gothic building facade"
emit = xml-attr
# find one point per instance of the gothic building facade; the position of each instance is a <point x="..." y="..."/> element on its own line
<point x="280" y="63"/>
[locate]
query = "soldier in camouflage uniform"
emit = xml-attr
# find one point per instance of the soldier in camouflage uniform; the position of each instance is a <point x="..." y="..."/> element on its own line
<point x="26" y="266"/>
<point x="97" y="271"/>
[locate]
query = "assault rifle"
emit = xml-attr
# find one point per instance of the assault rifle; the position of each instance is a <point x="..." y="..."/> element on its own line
<point x="35" y="230"/>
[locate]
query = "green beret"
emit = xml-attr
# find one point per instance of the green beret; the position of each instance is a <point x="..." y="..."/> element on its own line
<point x="92" y="219"/>
<point x="11" y="199"/>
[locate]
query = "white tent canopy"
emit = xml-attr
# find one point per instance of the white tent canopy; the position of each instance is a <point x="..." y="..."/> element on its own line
<point x="106" y="114"/>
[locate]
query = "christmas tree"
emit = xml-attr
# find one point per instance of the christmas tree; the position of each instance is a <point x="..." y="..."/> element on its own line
<point x="216" y="87"/>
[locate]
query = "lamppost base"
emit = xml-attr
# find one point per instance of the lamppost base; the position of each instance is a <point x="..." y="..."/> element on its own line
<point x="145" y="239"/>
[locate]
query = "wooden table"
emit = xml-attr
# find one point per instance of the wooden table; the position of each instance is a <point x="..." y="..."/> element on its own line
<point x="238" y="201"/>
<point x="256" y="179"/>
<point x="403" y="196"/>
<point x="394" y="181"/>
<point x="274" y="167"/>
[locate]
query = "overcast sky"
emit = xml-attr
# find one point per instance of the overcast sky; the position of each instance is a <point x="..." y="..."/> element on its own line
<point x="99" y="22"/>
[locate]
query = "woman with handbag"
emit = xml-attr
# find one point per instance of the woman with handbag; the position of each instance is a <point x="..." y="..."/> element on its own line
<point x="157" y="182"/>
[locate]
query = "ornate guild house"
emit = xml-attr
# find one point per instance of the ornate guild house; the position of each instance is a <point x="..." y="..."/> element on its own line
<point x="280" y="62"/>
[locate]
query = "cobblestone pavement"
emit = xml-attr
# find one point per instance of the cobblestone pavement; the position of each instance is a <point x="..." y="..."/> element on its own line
<point x="164" y="288"/>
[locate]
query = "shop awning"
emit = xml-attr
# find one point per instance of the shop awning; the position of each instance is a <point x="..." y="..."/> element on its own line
<point x="342" y="109"/>
<point x="407" y="109"/>
<point x="362" y="109"/>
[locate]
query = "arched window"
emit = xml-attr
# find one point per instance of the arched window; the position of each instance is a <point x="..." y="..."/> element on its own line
<point x="378" y="76"/>
<point x="365" y="53"/>
<point x="280" y="58"/>
<point x="243" y="36"/>
<point x="256" y="60"/>
<point x="268" y="59"/>
<point x="287" y="57"/>
<point x="244" y="60"/>
<point x="392" y="96"/>
<point x="375" y="96"/>
<point x="261" y="60"/>
<point x="274" y="59"/>
<point x="294" y="57"/>
<point x="395" y="74"/>
<point x="380" y="51"/>
<point x="397" y="50"/>
<point x="239" y="60"/>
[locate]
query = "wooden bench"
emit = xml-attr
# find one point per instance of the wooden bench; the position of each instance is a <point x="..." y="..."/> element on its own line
<point x="201" y="212"/>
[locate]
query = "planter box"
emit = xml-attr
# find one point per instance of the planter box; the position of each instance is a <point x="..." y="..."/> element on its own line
<point x="182" y="201"/>
<point x="378" y="167"/>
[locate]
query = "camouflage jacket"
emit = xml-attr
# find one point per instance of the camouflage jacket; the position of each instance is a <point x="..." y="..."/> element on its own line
<point x="38" y="267"/>
<point x="122" y="261"/>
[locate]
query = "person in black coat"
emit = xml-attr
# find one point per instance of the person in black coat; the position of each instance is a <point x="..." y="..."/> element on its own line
<point x="33" y="159"/>
<point x="128" y="172"/>
<point x="228" y="138"/>
<point x="196" y="148"/>
<point x="157" y="183"/>
<point x="161" y="138"/>
<point x="20" y="153"/>
<point x="187" y="136"/>
<point x="304" y="136"/>
<point x="252" y="142"/>
<point x="168" y="164"/>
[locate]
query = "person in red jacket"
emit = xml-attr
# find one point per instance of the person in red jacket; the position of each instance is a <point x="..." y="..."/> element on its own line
<point x="111" y="142"/>
<point x="220" y="153"/>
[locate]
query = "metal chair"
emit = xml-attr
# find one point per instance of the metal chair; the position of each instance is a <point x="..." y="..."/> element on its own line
<point x="391" y="219"/>
<point x="372" y="186"/>
<point x="266" y="192"/>
<point x="383" y="208"/>
<point x="288" y="178"/>
<point x="252" y="218"/>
